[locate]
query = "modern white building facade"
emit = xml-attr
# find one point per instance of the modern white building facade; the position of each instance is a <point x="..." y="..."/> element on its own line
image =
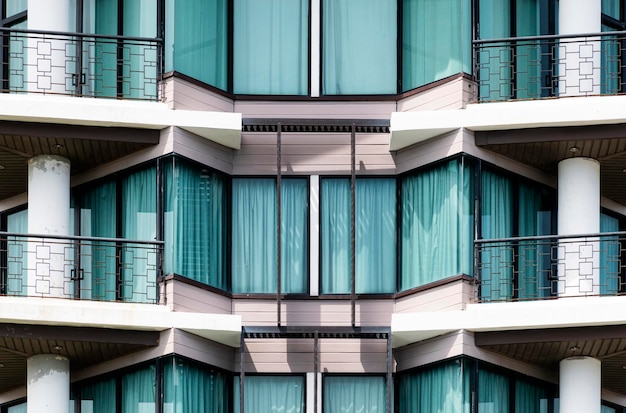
<point x="312" y="206"/>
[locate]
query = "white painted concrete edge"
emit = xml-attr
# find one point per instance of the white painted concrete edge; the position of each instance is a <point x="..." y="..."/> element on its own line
<point x="408" y="128"/>
<point x="407" y="328"/>
<point x="223" y="328"/>
<point x="221" y="127"/>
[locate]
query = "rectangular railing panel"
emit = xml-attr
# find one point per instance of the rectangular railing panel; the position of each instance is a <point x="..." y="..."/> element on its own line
<point x="100" y="269"/>
<point x="537" y="67"/>
<point x="77" y="64"/>
<point x="544" y="267"/>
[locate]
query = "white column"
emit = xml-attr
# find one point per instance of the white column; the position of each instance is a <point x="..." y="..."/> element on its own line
<point x="48" y="213"/>
<point x="48" y="384"/>
<point x="579" y="213"/>
<point x="46" y="58"/>
<point x="580" y="385"/>
<point x="579" y="58"/>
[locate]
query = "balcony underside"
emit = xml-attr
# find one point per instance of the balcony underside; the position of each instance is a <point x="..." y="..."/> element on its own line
<point x="84" y="346"/>
<point x="546" y="348"/>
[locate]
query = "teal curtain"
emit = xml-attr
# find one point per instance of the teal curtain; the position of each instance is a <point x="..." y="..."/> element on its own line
<point x="534" y="257"/>
<point x="611" y="8"/>
<point x="606" y="409"/>
<point x="359" y="47"/>
<point x="195" y="223"/>
<point x="196" y="40"/>
<point x="18" y="408"/>
<point x="375" y="208"/>
<point x="610" y="256"/>
<point x="496" y="62"/>
<point x="530" y="398"/>
<point x="139" y="391"/>
<point x="294" y="235"/>
<point x="98" y="218"/>
<point x="140" y="64"/>
<point x="354" y="394"/>
<point x="496" y="222"/>
<point x="437" y="212"/>
<point x="436" y="40"/>
<point x="271" y="39"/>
<point x="98" y="397"/>
<point x="493" y="392"/>
<point x="254" y="235"/>
<point x="17" y="260"/>
<point x="528" y="59"/>
<point x="139" y="223"/>
<point x="271" y="394"/>
<point x="440" y="389"/>
<point x="15" y="6"/>
<point x="190" y="388"/>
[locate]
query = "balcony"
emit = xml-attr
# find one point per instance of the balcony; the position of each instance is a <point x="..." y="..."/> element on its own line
<point x="546" y="267"/>
<point x="75" y="64"/>
<point x="540" y="67"/>
<point x="99" y="269"/>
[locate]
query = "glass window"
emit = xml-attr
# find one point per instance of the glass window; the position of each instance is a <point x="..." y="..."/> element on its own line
<point x="493" y="392"/>
<point x="509" y="209"/>
<point x="271" y="47"/>
<point x="271" y="394"/>
<point x="196" y="40"/>
<point x="437" y="224"/>
<point x="21" y="408"/>
<point x="98" y="397"/>
<point x="354" y="394"/>
<point x="359" y="47"/>
<point x="427" y="57"/>
<point x="191" y="388"/>
<point x="195" y="223"/>
<point x="98" y="218"/>
<point x="610" y="256"/>
<point x="254" y="235"/>
<point x="375" y="235"/>
<point x="139" y="391"/>
<point x="17" y="248"/>
<point x="443" y="388"/>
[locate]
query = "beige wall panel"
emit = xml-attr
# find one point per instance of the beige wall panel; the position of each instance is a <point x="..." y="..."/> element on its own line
<point x="188" y="298"/>
<point x="448" y="96"/>
<point x="429" y="351"/>
<point x="206" y="351"/>
<point x="203" y="150"/>
<point x="430" y="151"/>
<point x="314" y="312"/>
<point x="296" y="355"/>
<point x="188" y="96"/>
<point x="311" y="109"/>
<point x="452" y="296"/>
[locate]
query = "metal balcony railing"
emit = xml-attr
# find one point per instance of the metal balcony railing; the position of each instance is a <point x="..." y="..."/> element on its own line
<point x="100" y="269"/>
<point x="78" y="64"/>
<point x="543" y="267"/>
<point x="538" y="67"/>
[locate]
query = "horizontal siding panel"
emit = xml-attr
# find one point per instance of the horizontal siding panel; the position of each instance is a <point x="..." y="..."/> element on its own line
<point x="451" y="95"/>
<point x="187" y="96"/>
<point x="430" y="351"/>
<point x="197" y="300"/>
<point x="311" y="109"/>
<point x="203" y="150"/>
<point x="430" y="151"/>
<point x="451" y="296"/>
<point x="206" y="351"/>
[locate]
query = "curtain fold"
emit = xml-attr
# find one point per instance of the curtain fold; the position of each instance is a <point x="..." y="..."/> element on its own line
<point x="98" y="397"/>
<point x="98" y="218"/>
<point x="139" y="221"/>
<point x="189" y="388"/>
<point x="139" y="391"/>
<point x="17" y="259"/>
<point x="497" y="222"/>
<point x="610" y="256"/>
<point x="530" y="398"/>
<point x="270" y="47"/>
<point x="375" y="209"/>
<point x="355" y="33"/>
<point x="433" y="47"/>
<point x="437" y="212"/>
<point x="294" y="235"/>
<point x="271" y="394"/>
<point x="493" y="392"/>
<point x="354" y="394"/>
<point x="195" y="223"/>
<point x="196" y="40"/>
<point x="440" y="389"/>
